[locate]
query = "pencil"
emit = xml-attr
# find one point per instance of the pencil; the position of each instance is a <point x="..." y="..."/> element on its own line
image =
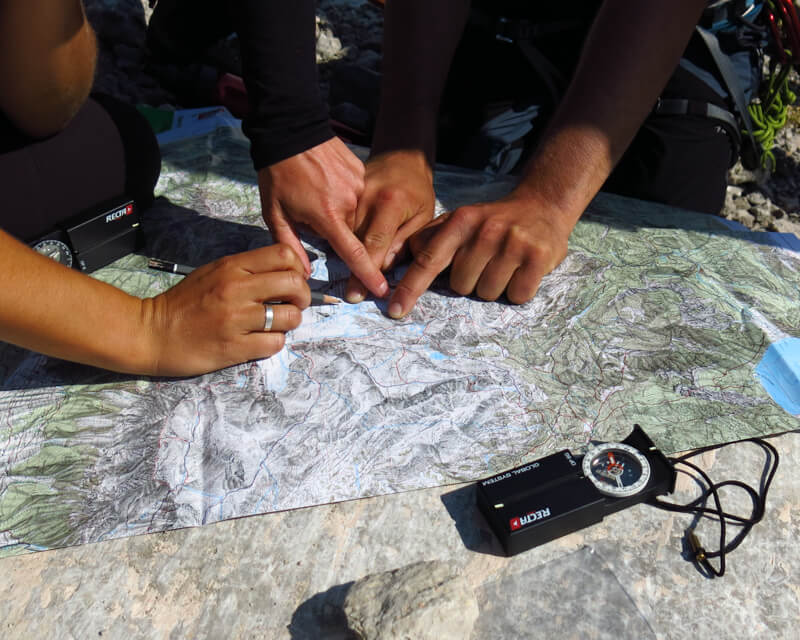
<point x="317" y="297"/>
<point x="169" y="267"/>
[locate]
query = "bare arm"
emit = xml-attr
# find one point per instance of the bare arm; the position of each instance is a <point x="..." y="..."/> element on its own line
<point x="509" y="245"/>
<point x="630" y="52"/>
<point x="420" y="38"/>
<point x="212" y="319"/>
<point x="47" y="61"/>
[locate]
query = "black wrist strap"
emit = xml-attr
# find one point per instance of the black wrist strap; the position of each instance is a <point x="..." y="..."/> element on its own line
<point x="711" y="489"/>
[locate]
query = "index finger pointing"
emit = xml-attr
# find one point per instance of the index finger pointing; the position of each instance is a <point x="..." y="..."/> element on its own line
<point x="355" y="255"/>
<point x="429" y="261"/>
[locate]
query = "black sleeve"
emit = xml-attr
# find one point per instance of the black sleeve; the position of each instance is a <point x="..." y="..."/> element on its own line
<point x="278" y="43"/>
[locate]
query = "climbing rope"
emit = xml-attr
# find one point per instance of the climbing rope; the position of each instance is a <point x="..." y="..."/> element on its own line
<point x="770" y="112"/>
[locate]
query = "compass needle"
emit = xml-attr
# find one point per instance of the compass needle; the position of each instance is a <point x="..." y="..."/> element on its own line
<point x="616" y="469"/>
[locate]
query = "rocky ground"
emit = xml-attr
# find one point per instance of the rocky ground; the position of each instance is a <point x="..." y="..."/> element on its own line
<point x="349" y="33"/>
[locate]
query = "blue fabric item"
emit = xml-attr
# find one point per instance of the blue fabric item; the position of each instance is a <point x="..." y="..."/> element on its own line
<point x="503" y="131"/>
<point x="779" y="374"/>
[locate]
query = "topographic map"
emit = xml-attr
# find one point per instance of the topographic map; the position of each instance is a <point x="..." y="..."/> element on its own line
<point x="658" y="317"/>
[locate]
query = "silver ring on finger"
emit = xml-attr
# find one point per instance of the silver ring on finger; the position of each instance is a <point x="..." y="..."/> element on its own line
<point x="269" y="316"/>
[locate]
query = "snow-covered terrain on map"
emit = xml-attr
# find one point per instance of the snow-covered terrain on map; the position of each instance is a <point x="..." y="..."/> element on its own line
<point x="657" y="317"/>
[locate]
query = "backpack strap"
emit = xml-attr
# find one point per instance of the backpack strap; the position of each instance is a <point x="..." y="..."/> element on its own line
<point x="682" y="107"/>
<point x="731" y="80"/>
<point x="523" y="33"/>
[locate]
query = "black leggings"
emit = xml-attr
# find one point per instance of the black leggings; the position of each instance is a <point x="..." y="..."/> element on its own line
<point x="107" y="151"/>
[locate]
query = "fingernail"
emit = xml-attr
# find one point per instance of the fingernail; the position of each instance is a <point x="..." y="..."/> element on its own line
<point x="383" y="290"/>
<point x="354" y="296"/>
<point x="395" y="310"/>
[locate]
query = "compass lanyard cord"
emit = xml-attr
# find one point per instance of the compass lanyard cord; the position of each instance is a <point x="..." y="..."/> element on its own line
<point x="697" y="506"/>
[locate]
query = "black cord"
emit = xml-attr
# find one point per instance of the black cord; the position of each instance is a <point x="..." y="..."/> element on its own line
<point x="697" y="506"/>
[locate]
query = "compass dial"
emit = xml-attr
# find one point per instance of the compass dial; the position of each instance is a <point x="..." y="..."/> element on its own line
<point x="56" y="250"/>
<point x="616" y="469"/>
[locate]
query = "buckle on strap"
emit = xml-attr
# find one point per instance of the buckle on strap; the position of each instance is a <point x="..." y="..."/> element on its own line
<point x="511" y="29"/>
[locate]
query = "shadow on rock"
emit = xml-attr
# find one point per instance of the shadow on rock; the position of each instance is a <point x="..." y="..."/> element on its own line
<point x="322" y="616"/>
<point x="469" y="523"/>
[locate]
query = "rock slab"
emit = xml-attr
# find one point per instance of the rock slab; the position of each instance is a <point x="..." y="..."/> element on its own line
<point x="416" y="602"/>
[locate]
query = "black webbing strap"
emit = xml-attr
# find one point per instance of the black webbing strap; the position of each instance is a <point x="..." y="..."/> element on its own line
<point x="523" y="33"/>
<point x="729" y="77"/>
<point x="681" y="107"/>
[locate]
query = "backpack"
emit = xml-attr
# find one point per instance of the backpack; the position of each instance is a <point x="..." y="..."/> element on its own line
<point x="736" y="33"/>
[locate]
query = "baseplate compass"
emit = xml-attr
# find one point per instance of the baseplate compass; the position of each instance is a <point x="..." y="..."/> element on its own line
<point x="561" y="493"/>
<point x="55" y="250"/>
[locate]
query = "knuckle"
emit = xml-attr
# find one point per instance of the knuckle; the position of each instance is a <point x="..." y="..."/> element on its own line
<point x="359" y="253"/>
<point x="519" y="236"/>
<point x="425" y="259"/>
<point x="227" y="291"/>
<point x="294" y="281"/>
<point x="465" y="216"/>
<point x="226" y="263"/>
<point x="388" y="196"/>
<point x="376" y="239"/>
<point x="493" y="230"/>
<point x="293" y="317"/>
<point x="274" y="343"/>
<point x="285" y="254"/>
<point x="349" y="201"/>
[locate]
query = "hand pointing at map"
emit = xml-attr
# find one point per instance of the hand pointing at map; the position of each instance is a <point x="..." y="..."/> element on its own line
<point x="507" y="246"/>
<point x="504" y="246"/>
<point x="320" y="188"/>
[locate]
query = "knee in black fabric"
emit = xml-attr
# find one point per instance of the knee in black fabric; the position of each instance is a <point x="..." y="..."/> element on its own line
<point x="142" y="154"/>
<point x="677" y="160"/>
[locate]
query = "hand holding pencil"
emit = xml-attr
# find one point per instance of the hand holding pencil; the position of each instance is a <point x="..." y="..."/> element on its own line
<point x="317" y="297"/>
<point x="229" y="311"/>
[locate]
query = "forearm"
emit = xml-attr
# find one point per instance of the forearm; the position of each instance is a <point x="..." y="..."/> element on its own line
<point x="629" y="54"/>
<point x="51" y="309"/>
<point x="47" y="61"/>
<point x="420" y="38"/>
<point x="278" y="48"/>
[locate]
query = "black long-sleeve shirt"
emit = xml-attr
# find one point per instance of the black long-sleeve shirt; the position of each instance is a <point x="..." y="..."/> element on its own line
<point x="278" y="45"/>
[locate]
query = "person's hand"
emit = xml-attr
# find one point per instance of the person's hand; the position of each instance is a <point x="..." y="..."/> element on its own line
<point x="398" y="200"/>
<point x="320" y="188"/>
<point x="215" y="317"/>
<point x="503" y="246"/>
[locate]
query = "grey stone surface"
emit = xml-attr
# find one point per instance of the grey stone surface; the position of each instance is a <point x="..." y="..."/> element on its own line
<point x="286" y="575"/>
<point x="421" y="601"/>
<point x="575" y="596"/>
